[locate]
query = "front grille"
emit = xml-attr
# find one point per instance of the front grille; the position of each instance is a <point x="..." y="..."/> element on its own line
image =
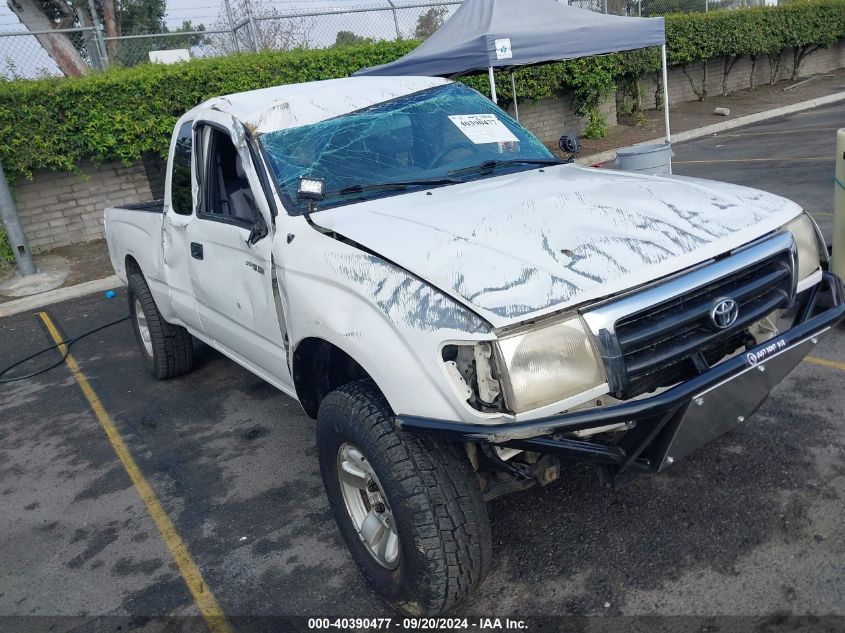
<point x="659" y="344"/>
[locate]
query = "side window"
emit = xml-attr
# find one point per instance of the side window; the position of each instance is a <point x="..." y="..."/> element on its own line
<point x="180" y="180"/>
<point x="226" y="192"/>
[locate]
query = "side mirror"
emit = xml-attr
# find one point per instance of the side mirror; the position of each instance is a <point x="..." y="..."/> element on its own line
<point x="259" y="230"/>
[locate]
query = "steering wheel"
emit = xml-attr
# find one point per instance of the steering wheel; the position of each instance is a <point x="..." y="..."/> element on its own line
<point x="446" y="151"/>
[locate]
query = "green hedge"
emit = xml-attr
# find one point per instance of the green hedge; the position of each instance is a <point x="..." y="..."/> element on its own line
<point x="120" y="114"/>
<point x="692" y="38"/>
<point x="6" y="254"/>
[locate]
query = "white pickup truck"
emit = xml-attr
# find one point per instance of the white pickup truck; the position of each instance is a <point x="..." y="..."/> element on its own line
<point x="459" y="310"/>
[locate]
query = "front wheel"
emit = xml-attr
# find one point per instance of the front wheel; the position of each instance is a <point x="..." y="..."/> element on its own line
<point x="409" y="508"/>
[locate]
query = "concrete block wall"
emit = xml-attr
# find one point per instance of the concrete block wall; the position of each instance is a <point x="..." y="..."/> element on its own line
<point x="680" y="90"/>
<point x="60" y="208"/>
<point x="548" y="119"/>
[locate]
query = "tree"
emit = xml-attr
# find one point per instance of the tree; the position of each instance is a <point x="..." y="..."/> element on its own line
<point x="348" y="38"/>
<point x="48" y="15"/>
<point x="86" y="43"/>
<point x="131" y="17"/>
<point x="147" y="17"/>
<point x="142" y="16"/>
<point x="663" y="7"/>
<point x="75" y="53"/>
<point x="132" y="52"/>
<point x="281" y="33"/>
<point x="429" y="22"/>
<point x="110" y="24"/>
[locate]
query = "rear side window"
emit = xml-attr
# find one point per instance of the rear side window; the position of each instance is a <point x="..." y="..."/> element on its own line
<point x="180" y="181"/>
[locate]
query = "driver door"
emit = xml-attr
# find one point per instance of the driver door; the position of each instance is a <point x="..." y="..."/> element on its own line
<point x="230" y="239"/>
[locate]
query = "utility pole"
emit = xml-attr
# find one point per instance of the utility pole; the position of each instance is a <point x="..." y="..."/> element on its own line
<point x="232" y="25"/>
<point x="14" y="232"/>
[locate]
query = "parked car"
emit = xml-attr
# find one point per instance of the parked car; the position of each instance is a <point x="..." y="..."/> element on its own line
<point x="459" y="310"/>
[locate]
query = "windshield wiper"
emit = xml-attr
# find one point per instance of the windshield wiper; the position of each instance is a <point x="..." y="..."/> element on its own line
<point x="489" y="165"/>
<point x="390" y="186"/>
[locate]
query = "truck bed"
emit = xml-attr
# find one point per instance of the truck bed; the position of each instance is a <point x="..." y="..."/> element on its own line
<point x="134" y="230"/>
<point x="150" y="206"/>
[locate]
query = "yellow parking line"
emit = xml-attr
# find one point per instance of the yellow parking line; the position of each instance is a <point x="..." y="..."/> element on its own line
<point x="824" y="362"/>
<point x="203" y="597"/>
<point x="751" y="160"/>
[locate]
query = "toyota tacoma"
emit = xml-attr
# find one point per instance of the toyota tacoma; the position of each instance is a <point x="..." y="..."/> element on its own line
<point x="458" y="309"/>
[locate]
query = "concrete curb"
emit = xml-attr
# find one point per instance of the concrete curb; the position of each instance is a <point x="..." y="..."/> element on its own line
<point x="707" y="130"/>
<point x="61" y="294"/>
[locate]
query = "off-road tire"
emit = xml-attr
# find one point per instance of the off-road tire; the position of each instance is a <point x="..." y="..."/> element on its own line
<point x="173" y="346"/>
<point x="437" y="506"/>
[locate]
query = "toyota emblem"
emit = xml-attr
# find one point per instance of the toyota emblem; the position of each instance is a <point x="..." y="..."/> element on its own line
<point x="724" y="313"/>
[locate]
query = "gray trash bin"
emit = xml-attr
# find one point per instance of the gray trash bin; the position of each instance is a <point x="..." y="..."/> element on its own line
<point x="647" y="159"/>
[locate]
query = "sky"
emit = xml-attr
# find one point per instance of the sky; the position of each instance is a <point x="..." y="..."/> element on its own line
<point x="22" y="56"/>
<point x="203" y="11"/>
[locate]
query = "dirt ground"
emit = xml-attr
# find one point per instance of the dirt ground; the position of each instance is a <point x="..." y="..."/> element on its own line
<point x="85" y="262"/>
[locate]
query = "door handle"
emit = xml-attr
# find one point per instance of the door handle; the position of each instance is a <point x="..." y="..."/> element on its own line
<point x="196" y="250"/>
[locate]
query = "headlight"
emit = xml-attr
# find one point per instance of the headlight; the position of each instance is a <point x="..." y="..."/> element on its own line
<point x="548" y="364"/>
<point x="804" y="231"/>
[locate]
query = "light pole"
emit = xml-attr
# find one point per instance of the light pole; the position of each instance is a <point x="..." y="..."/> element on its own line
<point x="14" y="232"/>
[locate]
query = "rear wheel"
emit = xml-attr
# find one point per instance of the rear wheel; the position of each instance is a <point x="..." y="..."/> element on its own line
<point x="167" y="349"/>
<point x="409" y="508"/>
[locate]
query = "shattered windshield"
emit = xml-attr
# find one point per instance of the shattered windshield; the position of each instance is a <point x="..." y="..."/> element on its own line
<point x="429" y="138"/>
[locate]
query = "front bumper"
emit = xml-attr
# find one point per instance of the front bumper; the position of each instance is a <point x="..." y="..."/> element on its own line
<point x="670" y="425"/>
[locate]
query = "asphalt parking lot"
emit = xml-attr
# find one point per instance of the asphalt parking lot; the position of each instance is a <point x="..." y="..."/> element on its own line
<point x="751" y="525"/>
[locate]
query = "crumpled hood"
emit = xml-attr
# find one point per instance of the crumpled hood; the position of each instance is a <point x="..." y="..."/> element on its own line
<point x="522" y="245"/>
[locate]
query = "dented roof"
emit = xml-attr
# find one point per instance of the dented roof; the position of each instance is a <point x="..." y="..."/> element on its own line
<point x="293" y="105"/>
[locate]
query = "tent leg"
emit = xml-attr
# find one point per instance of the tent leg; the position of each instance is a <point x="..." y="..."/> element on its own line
<point x="513" y="92"/>
<point x="666" y="96"/>
<point x="492" y="85"/>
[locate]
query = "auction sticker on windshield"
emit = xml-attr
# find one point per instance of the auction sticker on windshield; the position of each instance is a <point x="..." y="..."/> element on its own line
<point x="483" y="128"/>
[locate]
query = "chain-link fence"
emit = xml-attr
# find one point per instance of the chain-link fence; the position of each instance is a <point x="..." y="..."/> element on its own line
<point x="30" y="54"/>
<point x="651" y="8"/>
<point x="250" y="25"/>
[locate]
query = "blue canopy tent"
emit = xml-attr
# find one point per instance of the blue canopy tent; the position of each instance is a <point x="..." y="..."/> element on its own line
<point x="485" y="35"/>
